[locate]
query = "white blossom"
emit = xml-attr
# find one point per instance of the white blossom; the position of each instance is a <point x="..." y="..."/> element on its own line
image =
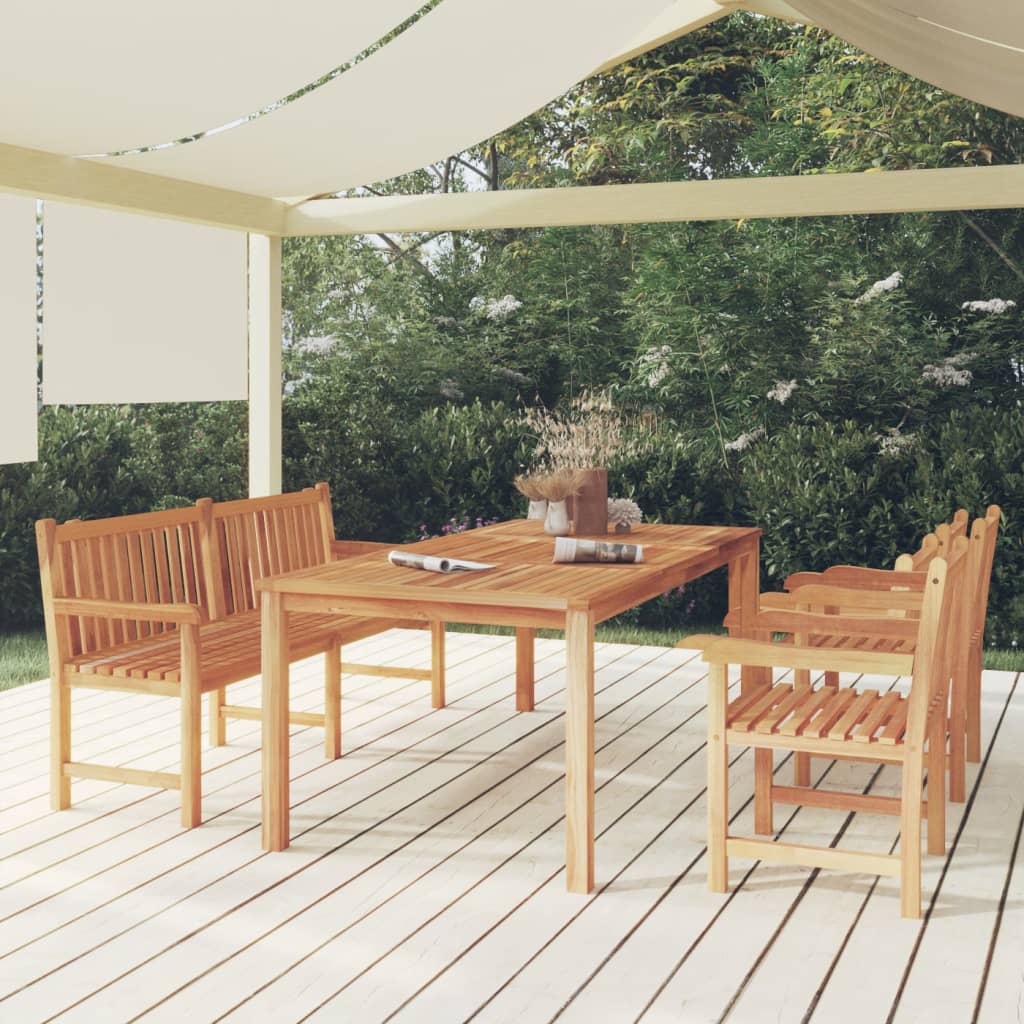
<point x="887" y="284"/>
<point x="654" y="363"/>
<point x="495" y="309"/>
<point x="291" y="386"/>
<point x="744" y="441"/>
<point x="317" y="345"/>
<point x="989" y="306"/>
<point x="782" y="391"/>
<point x="893" y="444"/>
<point x="949" y="373"/>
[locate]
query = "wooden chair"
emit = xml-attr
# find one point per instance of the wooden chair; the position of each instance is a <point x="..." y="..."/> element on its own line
<point x="165" y="603"/>
<point x="965" y="704"/>
<point x="891" y="728"/>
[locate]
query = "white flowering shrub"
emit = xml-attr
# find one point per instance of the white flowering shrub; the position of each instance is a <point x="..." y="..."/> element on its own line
<point x="782" y="391"/>
<point x="989" y="306"/>
<point x="887" y="284"/>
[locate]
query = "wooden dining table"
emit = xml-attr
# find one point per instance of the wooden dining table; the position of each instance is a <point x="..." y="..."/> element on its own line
<point x="524" y="590"/>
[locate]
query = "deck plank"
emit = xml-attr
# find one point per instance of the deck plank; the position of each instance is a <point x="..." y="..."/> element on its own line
<point x="427" y="879"/>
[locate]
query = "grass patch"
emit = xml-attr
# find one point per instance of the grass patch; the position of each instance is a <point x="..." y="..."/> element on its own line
<point x="22" y="658"/>
<point x="23" y="655"/>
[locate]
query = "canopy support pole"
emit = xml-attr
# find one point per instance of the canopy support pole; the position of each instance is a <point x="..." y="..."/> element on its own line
<point x="264" y="365"/>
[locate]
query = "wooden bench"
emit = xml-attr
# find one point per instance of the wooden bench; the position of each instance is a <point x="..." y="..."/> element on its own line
<point x="165" y="603"/>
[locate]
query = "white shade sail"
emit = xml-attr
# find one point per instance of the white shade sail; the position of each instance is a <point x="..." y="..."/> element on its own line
<point x="463" y="73"/>
<point x="106" y="75"/>
<point x="18" y="359"/>
<point x="975" y="50"/>
<point x="141" y="310"/>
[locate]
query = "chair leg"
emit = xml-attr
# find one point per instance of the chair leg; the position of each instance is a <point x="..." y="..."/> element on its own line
<point x="718" y="781"/>
<point x="974" y="704"/>
<point x="957" y="742"/>
<point x="937" y="786"/>
<point x="764" y="768"/>
<point x="801" y="761"/>
<point x="218" y="726"/>
<point x="832" y="679"/>
<point x="910" y="840"/>
<point x="191" y="729"/>
<point x="332" y="702"/>
<point x="437" y="664"/>
<point x="60" y="744"/>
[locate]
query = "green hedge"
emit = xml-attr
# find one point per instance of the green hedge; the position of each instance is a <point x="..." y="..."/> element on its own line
<point x="822" y="492"/>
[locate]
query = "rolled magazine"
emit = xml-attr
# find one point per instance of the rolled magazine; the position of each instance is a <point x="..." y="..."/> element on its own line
<point x="569" y="549"/>
<point x="431" y="563"/>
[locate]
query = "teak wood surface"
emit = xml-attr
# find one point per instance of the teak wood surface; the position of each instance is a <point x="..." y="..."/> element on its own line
<point x="524" y="590"/>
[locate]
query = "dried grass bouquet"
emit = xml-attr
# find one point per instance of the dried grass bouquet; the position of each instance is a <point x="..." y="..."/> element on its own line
<point x="553" y="484"/>
<point x="587" y="435"/>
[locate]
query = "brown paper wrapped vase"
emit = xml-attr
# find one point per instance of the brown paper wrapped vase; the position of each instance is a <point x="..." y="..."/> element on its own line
<point x="589" y="508"/>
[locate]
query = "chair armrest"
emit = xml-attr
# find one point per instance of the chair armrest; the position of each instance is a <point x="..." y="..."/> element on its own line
<point x="873" y="579"/>
<point x="341" y="549"/>
<point x="769" y="655"/>
<point x="818" y="624"/>
<point x="802" y="579"/>
<point x="854" y="598"/>
<point x="182" y="614"/>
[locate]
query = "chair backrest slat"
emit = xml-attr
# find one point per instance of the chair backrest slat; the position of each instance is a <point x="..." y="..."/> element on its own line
<point x="150" y="557"/>
<point x="260" y="537"/>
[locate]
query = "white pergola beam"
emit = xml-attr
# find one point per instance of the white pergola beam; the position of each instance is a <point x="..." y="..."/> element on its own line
<point x="32" y="172"/>
<point x="264" y="365"/>
<point x="813" y="195"/>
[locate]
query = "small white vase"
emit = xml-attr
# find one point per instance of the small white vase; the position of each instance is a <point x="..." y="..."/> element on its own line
<point x="557" y="521"/>
<point x="538" y="510"/>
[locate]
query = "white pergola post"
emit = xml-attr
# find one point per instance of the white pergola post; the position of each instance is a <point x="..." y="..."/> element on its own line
<point x="264" y="365"/>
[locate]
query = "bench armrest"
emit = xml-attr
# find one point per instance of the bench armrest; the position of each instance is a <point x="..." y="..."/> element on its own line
<point x="351" y="548"/>
<point x="182" y="614"/>
<point x="769" y="655"/>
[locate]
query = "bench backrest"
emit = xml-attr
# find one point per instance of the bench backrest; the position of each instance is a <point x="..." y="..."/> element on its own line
<point x="155" y="557"/>
<point x="259" y="537"/>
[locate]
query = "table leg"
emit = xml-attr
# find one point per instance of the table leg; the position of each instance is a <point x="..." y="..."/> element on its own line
<point x="524" y="668"/>
<point x="579" y="752"/>
<point x="744" y="589"/>
<point x="437" y="698"/>
<point x="274" y="642"/>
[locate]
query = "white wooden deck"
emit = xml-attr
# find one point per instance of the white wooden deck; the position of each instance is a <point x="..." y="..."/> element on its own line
<point x="427" y="881"/>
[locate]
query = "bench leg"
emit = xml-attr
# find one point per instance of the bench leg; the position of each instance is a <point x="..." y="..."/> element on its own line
<point x="218" y="726"/>
<point x="60" y="744"/>
<point x="332" y="702"/>
<point x="437" y="664"/>
<point x="191" y="729"/>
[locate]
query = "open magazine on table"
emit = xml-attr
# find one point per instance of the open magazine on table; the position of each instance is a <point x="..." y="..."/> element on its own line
<point x="433" y="563"/>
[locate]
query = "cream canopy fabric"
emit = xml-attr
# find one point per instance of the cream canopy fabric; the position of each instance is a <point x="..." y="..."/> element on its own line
<point x="464" y="72"/>
<point x="974" y="49"/>
<point x="141" y="310"/>
<point x="18" y="359"/>
<point x="435" y="90"/>
<point x="100" y="76"/>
